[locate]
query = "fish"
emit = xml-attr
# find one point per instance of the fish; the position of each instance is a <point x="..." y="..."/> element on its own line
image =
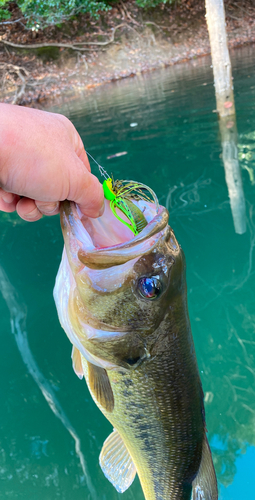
<point x="122" y="301"/>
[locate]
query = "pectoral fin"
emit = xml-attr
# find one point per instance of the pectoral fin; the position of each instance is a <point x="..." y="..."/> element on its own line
<point x="204" y="486"/>
<point x="100" y="386"/>
<point x="77" y="364"/>
<point x="116" y="462"/>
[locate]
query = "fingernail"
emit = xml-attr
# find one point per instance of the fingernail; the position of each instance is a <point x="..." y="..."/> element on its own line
<point x="8" y="197"/>
<point x="101" y="211"/>
<point x="48" y="209"/>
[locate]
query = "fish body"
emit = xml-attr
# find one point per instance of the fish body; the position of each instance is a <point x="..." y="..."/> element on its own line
<point x="122" y="301"/>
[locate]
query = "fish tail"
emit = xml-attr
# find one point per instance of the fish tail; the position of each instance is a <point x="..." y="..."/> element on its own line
<point x="204" y="486"/>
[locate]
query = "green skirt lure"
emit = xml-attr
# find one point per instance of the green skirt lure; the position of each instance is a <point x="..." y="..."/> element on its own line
<point x="120" y="195"/>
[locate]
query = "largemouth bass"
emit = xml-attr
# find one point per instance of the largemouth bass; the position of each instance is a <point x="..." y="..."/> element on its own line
<point x="122" y="301"/>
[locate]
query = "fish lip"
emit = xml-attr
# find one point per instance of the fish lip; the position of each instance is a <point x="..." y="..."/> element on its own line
<point x="120" y="253"/>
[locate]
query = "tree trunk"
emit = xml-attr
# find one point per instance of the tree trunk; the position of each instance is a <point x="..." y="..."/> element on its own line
<point x="215" y="17"/>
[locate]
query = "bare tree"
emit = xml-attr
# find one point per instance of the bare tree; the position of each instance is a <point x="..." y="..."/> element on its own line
<point x="215" y="16"/>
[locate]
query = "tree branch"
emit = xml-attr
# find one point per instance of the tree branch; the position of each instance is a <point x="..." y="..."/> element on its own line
<point x="128" y="14"/>
<point x="13" y="22"/>
<point x="40" y="45"/>
<point x="244" y="10"/>
<point x="111" y="40"/>
<point x="154" y="24"/>
<point x="22" y="73"/>
<point x="73" y="46"/>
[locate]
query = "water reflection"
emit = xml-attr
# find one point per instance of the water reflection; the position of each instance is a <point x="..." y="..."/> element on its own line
<point x="246" y="154"/>
<point x="176" y="149"/>
<point x="229" y="141"/>
<point x="18" y="313"/>
<point x="224" y="325"/>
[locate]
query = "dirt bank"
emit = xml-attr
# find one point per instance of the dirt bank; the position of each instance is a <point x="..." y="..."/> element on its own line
<point x="37" y="67"/>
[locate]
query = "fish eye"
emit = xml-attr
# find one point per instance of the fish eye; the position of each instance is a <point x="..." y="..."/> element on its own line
<point x="149" y="288"/>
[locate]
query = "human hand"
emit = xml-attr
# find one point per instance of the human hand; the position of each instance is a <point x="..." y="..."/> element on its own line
<point x="43" y="160"/>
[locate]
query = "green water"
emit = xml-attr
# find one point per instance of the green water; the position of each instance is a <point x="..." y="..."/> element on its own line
<point x="51" y="432"/>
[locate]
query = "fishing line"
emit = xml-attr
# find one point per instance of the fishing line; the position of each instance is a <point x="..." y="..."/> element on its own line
<point x="122" y="195"/>
<point x="101" y="169"/>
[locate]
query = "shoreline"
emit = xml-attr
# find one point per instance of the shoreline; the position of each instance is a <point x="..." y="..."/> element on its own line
<point x="39" y="77"/>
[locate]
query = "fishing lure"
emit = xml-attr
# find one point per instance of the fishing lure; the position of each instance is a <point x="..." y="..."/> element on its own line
<point x="121" y="193"/>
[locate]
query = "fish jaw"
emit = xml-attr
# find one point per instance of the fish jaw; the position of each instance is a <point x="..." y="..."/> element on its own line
<point x="106" y="242"/>
<point x="92" y="318"/>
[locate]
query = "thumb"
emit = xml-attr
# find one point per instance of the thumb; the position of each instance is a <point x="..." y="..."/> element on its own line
<point x="86" y="191"/>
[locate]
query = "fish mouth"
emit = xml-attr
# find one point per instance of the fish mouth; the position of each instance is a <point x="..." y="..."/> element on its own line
<point x="92" y="245"/>
<point x="105" y="242"/>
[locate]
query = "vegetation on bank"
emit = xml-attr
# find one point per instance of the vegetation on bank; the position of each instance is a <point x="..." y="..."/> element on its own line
<point x="43" y="13"/>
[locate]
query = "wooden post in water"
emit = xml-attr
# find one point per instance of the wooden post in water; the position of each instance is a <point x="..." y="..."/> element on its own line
<point x="229" y="138"/>
<point x="215" y="16"/>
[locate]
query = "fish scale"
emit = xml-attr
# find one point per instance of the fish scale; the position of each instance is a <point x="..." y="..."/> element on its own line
<point x="161" y="425"/>
<point x="135" y="348"/>
<point x="157" y="434"/>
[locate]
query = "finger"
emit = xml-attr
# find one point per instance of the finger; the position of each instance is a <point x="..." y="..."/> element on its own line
<point x="8" y="201"/>
<point x="82" y="155"/>
<point x="76" y="140"/>
<point x="47" y="208"/>
<point x="28" y="210"/>
<point x="87" y="192"/>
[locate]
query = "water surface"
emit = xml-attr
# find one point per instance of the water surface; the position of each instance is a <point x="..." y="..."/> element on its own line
<point x="51" y="432"/>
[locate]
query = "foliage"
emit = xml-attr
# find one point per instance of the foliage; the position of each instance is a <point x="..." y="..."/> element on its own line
<point x="147" y="4"/>
<point x="4" y="13"/>
<point x="42" y="13"/>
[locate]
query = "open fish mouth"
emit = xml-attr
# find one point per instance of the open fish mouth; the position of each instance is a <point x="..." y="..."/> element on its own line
<point x="99" y="257"/>
<point x="106" y="241"/>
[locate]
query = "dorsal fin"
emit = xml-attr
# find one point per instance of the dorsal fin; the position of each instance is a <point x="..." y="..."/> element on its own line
<point x="116" y="462"/>
<point x="100" y="386"/>
<point x="204" y="486"/>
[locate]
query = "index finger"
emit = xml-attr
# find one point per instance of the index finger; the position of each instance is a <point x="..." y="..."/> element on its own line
<point x="76" y="141"/>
